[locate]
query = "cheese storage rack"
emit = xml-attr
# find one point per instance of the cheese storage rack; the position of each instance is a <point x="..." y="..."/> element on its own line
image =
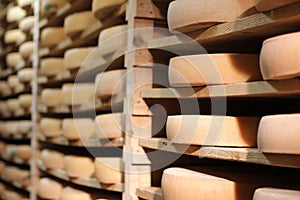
<point x="148" y="90"/>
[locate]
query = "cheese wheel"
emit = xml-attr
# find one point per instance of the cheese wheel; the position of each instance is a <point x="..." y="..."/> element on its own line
<point x="22" y="177"/>
<point x="51" y="127"/>
<point x="102" y="9"/>
<point x="11" y="128"/>
<point x="15" y="14"/>
<point x="5" y="86"/>
<point x="9" y="151"/>
<point x="279" y="134"/>
<point x="51" y="66"/>
<point x="78" y="94"/>
<point x="10" y="195"/>
<point x="12" y="81"/>
<point x="51" y="6"/>
<point x="52" y="36"/>
<point x="266" y="5"/>
<point x="79" y="167"/>
<point x="25" y="100"/>
<point x="109" y="170"/>
<point x="2" y="146"/>
<point x="23" y="3"/>
<point x="205" y="13"/>
<point x="23" y="152"/>
<point x="213" y="130"/>
<point x="211" y="69"/>
<point x="26" y="49"/>
<point x="276" y="194"/>
<point x="24" y="126"/>
<point x="9" y="173"/>
<point x="52" y="97"/>
<point x="25" y="75"/>
<point x="52" y="159"/>
<point x="13" y="104"/>
<point x="83" y="20"/>
<point x="110" y="83"/>
<point x="78" y="128"/>
<point x="109" y="126"/>
<point x="2" y="189"/>
<point x="272" y="60"/>
<point x="49" y="189"/>
<point x="73" y="58"/>
<point x="14" y="59"/>
<point x="69" y="193"/>
<point x="14" y="36"/>
<point x="27" y="23"/>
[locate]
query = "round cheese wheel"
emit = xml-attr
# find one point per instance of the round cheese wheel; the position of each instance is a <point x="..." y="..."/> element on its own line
<point x="24" y="126"/>
<point x="79" y="167"/>
<point x="266" y="5"/>
<point x="13" y="104"/>
<point x="23" y="152"/>
<point x="9" y="173"/>
<point x="2" y="189"/>
<point x="10" y="195"/>
<point x="27" y="23"/>
<point x="110" y="83"/>
<point x="213" y="130"/>
<point x="52" y="36"/>
<point x="213" y="69"/>
<point x="78" y="94"/>
<point x="15" y="14"/>
<point x="23" y="3"/>
<point x="22" y="177"/>
<point x="109" y="170"/>
<point x="26" y="49"/>
<point x="25" y="100"/>
<point x="272" y="60"/>
<point x="13" y="81"/>
<point x="205" y="13"/>
<point x="73" y="58"/>
<point x="102" y="9"/>
<point x="14" y="59"/>
<point x="51" y="127"/>
<point x="76" y="129"/>
<point x="11" y="128"/>
<point x="52" y="97"/>
<point x="109" y="126"/>
<point x="9" y="151"/>
<point x="69" y="193"/>
<point x="5" y="86"/>
<point x="49" y="189"/>
<point x="276" y="194"/>
<point x="51" y="66"/>
<point x="51" y="6"/>
<point x="52" y="159"/>
<point x="82" y="20"/>
<point x="14" y="36"/>
<point x="279" y="134"/>
<point x="25" y="75"/>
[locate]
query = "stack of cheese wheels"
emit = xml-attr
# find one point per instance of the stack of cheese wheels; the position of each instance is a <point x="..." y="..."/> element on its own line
<point x="15" y="84"/>
<point x="102" y="9"/>
<point x="110" y="126"/>
<point x="211" y="69"/>
<point x="110" y="83"/>
<point x="52" y="160"/>
<point x="23" y="152"/>
<point x="14" y="60"/>
<point x="51" y="127"/>
<point x="15" y="14"/>
<point x="205" y="13"/>
<point x="15" y="107"/>
<point x="276" y="194"/>
<point x="213" y="130"/>
<point x="266" y="5"/>
<point x="73" y="58"/>
<point x="69" y="193"/>
<point x="109" y="170"/>
<point x="25" y="75"/>
<point x="274" y="137"/>
<point x="51" y="66"/>
<point x="24" y="127"/>
<point x="26" y="49"/>
<point x="25" y="101"/>
<point x="78" y="94"/>
<point x="52" y="36"/>
<point x="51" y="6"/>
<point x="25" y="3"/>
<point x="11" y="195"/>
<point x="26" y="24"/>
<point x="83" y="20"/>
<point x="79" y="166"/>
<point x="49" y="189"/>
<point x="14" y="36"/>
<point x="78" y="128"/>
<point x="283" y="64"/>
<point x="52" y="97"/>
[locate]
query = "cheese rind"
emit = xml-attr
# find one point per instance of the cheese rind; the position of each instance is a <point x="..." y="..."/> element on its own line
<point x="275" y="194"/>
<point x="78" y="128"/>
<point x="52" y="36"/>
<point x="213" y="130"/>
<point x="279" y="134"/>
<point x="212" y="69"/>
<point x="266" y="5"/>
<point x="102" y="9"/>
<point x="109" y="170"/>
<point x="51" y="66"/>
<point x="52" y="159"/>
<point x="51" y="6"/>
<point x="79" y="167"/>
<point x="73" y="58"/>
<point x="11" y="195"/>
<point x="14" y="36"/>
<point x="15" y="14"/>
<point x="25" y="100"/>
<point x="109" y="126"/>
<point x="78" y="94"/>
<point x="25" y="75"/>
<point x="26" y="49"/>
<point x="51" y="127"/>
<point x="69" y="193"/>
<point x="52" y="97"/>
<point x="49" y="189"/>
<point x="23" y="152"/>
<point x="27" y="23"/>
<point x="14" y="59"/>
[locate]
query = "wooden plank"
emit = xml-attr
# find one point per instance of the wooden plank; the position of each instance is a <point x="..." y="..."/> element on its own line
<point x="150" y="193"/>
<point x="246" y="155"/>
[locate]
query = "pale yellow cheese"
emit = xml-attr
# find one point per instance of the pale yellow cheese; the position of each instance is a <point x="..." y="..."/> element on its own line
<point x="26" y="49"/>
<point x="14" y="36"/>
<point x="13" y="104"/>
<point x="78" y="128"/>
<point x="266" y="5"/>
<point x="10" y="128"/>
<point x="83" y="20"/>
<point x="13" y="81"/>
<point x="78" y="94"/>
<point x="51" y="127"/>
<point x="15" y="14"/>
<point x="5" y="86"/>
<point x="23" y="152"/>
<point x="109" y="170"/>
<point x="73" y="58"/>
<point x="27" y="23"/>
<point x="9" y="173"/>
<point x="22" y="177"/>
<point x="52" y="97"/>
<point x="14" y="59"/>
<point x="102" y="9"/>
<point x="24" y="127"/>
<point x="276" y="194"/>
<point x="52" y="36"/>
<point x="11" y="195"/>
<point x="79" y="166"/>
<point x="52" y="159"/>
<point x="49" y="189"/>
<point x="25" y="75"/>
<point x="69" y="193"/>
<point x="9" y="151"/>
<point x="51" y="6"/>
<point x="51" y="66"/>
<point x="109" y="126"/>
<point x="25" y="100"/>
<point x="23" y="3"/>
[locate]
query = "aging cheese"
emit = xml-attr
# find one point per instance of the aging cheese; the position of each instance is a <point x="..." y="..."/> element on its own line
<point x="13" y="36"/>
<point x="13" y="81"/>
<point x="109" y="126"/>
<point x="51" y="6"/>
<point x="14" y="59"/>
<point x="78" y="94"/>
<point x="51" y="127"/>
<point x="9" y="173"/>
<point x="82" y="20"/>
<point x="22" y="177"/>
<point x="213" y="130"/>
<point x="211" y="69"/>
<point x="191" y="15"/>
<point x="23" y="152"/>
<point x="27" y="23"/>
<point x="11" y="195"/>
<point x="15" y="14"/>
<point x="25" y="75"/>
<point x="26" y="49"/>
<point x="52" y="97"/>
<point x="73" y="58"/>
<point x="69" y="193"/>
<point x="102" y="9"/>
<point x="109" y="170"/>
<point x="5" y="87"/>
<point x="52" y="36"/>
<point x="51" y="66"/>
<point x="2" y="189"/>
<point x="23" y="3"/>
<point x="266" y="5"/>
<point x="279" y="57"/>
<point x="276" y="194"/>
<point x="49" y="189"/>
<point x="78" y="128"/>
<point x="52" y="159"/>
<point x="25" y="100"/>
<point x="79" y="167"/>
<point x="279" y="134"/>
<point x="24" y="127"/>
<point x="13" y="104"/>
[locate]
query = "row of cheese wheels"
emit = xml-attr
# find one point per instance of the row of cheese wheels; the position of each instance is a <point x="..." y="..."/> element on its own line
<point x="16" y="83"/>
<point x="16" y="107"/>
<point x="16" y="129"/>
<point x="8" y="194"/>
<point x="107" y="170"/>
<point x="12" y="152"/>
<point x="206" y="13"/>
<point x="214" y="69"/>
<point x="273" y="134"/>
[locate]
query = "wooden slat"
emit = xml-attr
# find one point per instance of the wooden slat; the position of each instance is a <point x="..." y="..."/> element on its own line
<point x="247" y="155"/>
<point x="150" y="193"/>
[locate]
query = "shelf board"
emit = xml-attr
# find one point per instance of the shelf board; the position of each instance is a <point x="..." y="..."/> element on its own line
<point x="246" y="155"/>
<point x="12" y="140"/>
<point x="16" y="187"/>
<point x="150" y="193"/>
<point x="15" y="161"/>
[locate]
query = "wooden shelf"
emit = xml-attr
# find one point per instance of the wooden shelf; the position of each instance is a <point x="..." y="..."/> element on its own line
<point x="150" y="193"/>
<point x="15" y="140"/>
<point x="16" y="162"/>
<point x="246" y="155"/>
